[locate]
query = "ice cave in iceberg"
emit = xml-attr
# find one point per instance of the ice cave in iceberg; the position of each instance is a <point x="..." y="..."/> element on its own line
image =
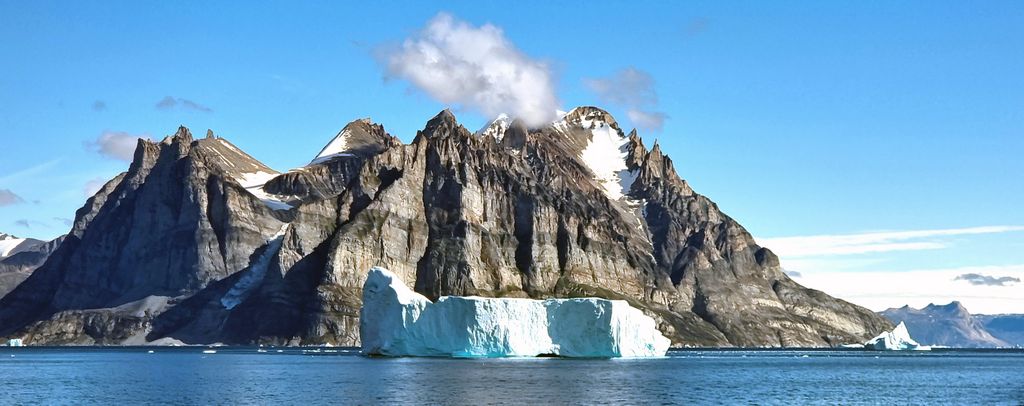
<point x="396" y="321"/>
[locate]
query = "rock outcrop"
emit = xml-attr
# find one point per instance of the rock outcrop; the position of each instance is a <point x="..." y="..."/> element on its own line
<point x="577" y="208"/>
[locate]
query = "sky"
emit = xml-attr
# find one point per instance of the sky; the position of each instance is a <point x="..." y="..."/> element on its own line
<point x="877" y="149"/>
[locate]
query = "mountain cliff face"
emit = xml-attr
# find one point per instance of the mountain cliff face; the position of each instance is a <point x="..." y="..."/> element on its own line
<point x="201" y="243"/>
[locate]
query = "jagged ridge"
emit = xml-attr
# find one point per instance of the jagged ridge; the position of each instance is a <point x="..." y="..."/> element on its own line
<point x="527" y="213"/>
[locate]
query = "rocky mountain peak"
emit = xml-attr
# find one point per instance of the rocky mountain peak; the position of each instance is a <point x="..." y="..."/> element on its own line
<point x="515" y="135"/>
<point x="954" y="307"/>
<point x="590" y="116"/>
<point x="495" y="128"/>
<point x="361" y="137"/>
<point x="183" y="135"/>
<point x="443" y="124"/>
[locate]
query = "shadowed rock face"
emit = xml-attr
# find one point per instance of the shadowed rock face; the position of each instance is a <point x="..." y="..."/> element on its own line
<point x="577" y="208"/>
<point x="24" y="259"/>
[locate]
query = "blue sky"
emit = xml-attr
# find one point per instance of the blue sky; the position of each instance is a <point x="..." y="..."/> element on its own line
<point x="799" y="119"/>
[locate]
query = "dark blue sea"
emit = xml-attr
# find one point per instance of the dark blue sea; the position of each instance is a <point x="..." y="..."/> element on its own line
<point x="118" y="376"/>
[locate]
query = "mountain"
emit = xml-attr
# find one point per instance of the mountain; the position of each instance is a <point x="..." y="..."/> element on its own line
<point x="21" y="257"/>
<point x="947" y="325"/>
<point x="10" y="245"/>
<point x="1006" y="327"/>
<point x="200" y="242"/>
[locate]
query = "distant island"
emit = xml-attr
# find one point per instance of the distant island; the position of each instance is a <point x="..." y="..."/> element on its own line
<point x="952" y="325"/>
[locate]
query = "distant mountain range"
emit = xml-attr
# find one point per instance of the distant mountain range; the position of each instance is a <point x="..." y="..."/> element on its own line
<point x="19" y="257"/>
<point x="953" y="326"/>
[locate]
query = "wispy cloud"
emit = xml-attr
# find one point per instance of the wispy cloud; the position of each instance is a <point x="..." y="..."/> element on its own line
<point x="170" y="103"/>
<point x="117" y="145"/>
<point x="849" y="244"/>
<point x="64" y="220"/>
<point x="986" y="280"/>
<point x="29" y="172"/>
<point x="93" y="186"/>
<point x="633" y="89"/>
<point x="23" y="223"/>
<point x="476" y="67"/>
<point x="9" y="198"/>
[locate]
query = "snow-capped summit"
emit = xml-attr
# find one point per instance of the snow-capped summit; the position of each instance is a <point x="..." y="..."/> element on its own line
<point x="603" y="148"/>
<point x="361" y="137"/>
<point x="10" y="245"/>
<point x="496" y="128"/>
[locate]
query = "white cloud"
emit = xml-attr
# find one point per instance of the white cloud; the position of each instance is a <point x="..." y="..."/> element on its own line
<point x="116" y="145"/>
<point x="647" y="120"/>
<point x="475" y="67"/>
<point x="169" y="103"/>
<point x="849" y="244"/>
<point x="93" y="186"/>
<point x="879" y="290"/>
<point x="633" y="89"/>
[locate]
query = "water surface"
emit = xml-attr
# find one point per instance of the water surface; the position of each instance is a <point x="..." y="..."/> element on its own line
<point x="296" y="376"/>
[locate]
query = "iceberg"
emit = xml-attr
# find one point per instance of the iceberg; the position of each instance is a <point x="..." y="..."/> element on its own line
<point x="897" y="339"/>
<point x="395" y="321"/>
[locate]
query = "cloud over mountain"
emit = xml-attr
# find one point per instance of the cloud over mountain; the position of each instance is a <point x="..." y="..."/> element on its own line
<point x="477" y="68"/>
<point x="634" y="89"/>
<point x="169" y="103"/>
<point x="118" y="145"/>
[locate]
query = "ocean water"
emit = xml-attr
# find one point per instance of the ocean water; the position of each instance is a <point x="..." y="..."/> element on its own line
<point x="341" y="376"/>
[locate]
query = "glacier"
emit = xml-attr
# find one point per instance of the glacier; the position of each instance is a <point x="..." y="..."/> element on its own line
<point x="897" y="339"/>
<point x="396" y="321"/>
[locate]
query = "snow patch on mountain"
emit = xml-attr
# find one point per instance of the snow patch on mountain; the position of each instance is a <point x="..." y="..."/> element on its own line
<point x="335" y="148"/>
<point x="496" y="128"/>
<point x="257" y="270"/>
<point x="8" y="243"/>
<point x="605" y="155"/>
<point x="253" y="183"/>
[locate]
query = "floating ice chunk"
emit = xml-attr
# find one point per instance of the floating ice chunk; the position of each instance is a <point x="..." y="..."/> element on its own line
<point x="395" y="321"/>
<point x="897" y="339"/>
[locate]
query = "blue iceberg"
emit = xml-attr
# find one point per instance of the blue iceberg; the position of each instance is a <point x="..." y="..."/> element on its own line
<point x="396" y="321"/>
